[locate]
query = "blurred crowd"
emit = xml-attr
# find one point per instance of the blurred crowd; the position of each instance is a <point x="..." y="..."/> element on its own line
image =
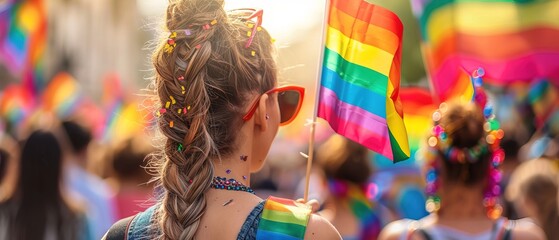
<point x="64" y="182"/>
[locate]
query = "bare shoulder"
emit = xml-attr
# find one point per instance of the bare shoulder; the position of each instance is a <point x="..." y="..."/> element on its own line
<point x="527" y="229"/>
<point x="395" y="230"/>
<point x="320" y="228"/>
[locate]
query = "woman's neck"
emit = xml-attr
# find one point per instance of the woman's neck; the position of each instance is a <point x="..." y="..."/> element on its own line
<point x="462" y="202"/>
<point x="233" y="167"/>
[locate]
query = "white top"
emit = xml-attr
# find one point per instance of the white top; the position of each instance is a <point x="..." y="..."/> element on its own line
<point x="438" y="232"/>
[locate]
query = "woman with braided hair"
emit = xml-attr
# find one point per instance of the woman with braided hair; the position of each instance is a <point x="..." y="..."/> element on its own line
<point x="220" y="109"/>
<point x="463" y="181"/>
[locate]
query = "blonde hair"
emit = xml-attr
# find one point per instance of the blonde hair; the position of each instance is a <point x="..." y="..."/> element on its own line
<point x="203" y="85"/>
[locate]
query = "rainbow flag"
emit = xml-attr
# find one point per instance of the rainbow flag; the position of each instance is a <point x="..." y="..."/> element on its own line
<point x="543" y="97"/>
<point x="283" y="219"/>
<point x="513" y="40"/>
<point x="419" y="106"/>
<point x="355" y="198"/>
<point x="23" y="41"/>
<point x="361" y="77"/>
<point x="16" y="104"/>
<point x="62" y="95"/>
<point x="125" y="116"/>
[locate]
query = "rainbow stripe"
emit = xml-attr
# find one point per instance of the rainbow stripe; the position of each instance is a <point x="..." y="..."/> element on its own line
<point x="283" y="219"/>
<point x="361" y="77"/>
<point x="513" y="40"/>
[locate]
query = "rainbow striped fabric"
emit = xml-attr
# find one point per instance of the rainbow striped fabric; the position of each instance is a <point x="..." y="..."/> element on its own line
<point x="419" y="106"/>
<point x="283" y="219"/>
<point x="513" y="40"/>
<point x="355" y="198"/>
<point x="62" y="95"/>
<point x="361" y="77"/>
<point x="23" y="42"/>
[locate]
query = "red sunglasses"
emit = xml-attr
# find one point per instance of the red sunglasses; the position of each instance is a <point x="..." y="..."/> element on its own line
<point x="290" y="100"/>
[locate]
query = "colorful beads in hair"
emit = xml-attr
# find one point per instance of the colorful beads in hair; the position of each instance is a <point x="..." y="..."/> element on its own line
<point x="440" y="144"/>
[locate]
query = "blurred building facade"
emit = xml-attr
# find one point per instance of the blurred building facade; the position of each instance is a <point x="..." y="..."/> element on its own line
<point x="89" y="39"/>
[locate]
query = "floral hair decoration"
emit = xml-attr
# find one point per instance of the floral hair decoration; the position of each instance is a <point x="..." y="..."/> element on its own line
<point x="440" y="144"/>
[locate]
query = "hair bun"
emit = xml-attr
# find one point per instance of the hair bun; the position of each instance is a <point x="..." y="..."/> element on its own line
<point x="182" y="13"/>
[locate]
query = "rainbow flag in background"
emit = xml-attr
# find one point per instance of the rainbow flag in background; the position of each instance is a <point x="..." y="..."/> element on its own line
<point x="16" y="104"/>
<point x="361" y="77"/>
<point x="419" y="106"/>
<point x="543" y="96"/>
<point x="62" y="95"/>
<point x="513" y="40"/>
<point x="23" y="41"/>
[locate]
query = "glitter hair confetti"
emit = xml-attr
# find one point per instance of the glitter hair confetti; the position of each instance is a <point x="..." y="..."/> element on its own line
<point x="171" y="43"/>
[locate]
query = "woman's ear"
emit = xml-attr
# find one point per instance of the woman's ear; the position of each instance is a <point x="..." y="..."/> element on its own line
<point x="260" y="116"/>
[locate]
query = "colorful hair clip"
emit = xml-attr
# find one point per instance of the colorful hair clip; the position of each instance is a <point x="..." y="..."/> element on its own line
<point x="180" y="78"/>
<point x="167" y="104"/>
<point x="183" y="91"/>
<point x="213" y="22"/>
<point x="171" y="124"/>
<point x="173" y="101"/>
<point x="206" y="27"/>
<point x="187" y="32"/>
<point x="171" y="44"/>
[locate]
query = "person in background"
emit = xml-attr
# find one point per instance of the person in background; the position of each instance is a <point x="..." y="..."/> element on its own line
<point x="220" y="109"/>
<point x="533" y="190"/>
<point x="462" y="179"/>
<point x="510" y="147"/>
<point x="4" y="161"/>
<point x="132" y="188"/>
<point x="85" y="186"/>
<point x="38" y="209"/>
<point x="347" y="170"/>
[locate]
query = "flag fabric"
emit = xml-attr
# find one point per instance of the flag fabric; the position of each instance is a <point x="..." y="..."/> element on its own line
<point x="360" y="82"/>
<point x="513" y="40"/>
<point x="283" y="219"/>
<point x="62" y="95"/>
<point x="419" y="106"/>
<point x="23" y="41"/>
<point x="543" y="97"/>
